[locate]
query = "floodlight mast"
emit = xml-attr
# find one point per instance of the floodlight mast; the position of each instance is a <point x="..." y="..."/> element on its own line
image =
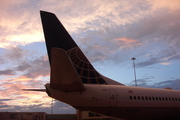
<point x="134" y="70"/>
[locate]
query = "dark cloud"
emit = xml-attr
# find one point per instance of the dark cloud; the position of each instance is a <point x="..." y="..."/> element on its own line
<point x="174" y="84"/>
<point x="23" y="66"/>
<point x="31" y="68"/>
<point x="27" y="62"/>
<point x="15" y="54"/>
<point x="146" y="82"/>
<point x="165" y="55"/>
<point x="148" y="62"/>
<point x="7" y="72"/>
<point x="29" y="108"/>
<point x="40" y="67"/>
<point x="58" y="107"/>
<point x="3" y="106"/>
<point x="5" y="99"/>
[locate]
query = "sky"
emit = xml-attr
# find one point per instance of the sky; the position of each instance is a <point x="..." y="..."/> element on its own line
<point x="109" y="32"/>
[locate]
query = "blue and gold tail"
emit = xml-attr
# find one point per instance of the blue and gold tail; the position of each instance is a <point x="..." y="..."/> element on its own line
<point x="62" y="48"/>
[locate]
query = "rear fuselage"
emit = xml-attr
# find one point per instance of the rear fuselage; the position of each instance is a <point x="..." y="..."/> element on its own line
<point x="124" y="102"/>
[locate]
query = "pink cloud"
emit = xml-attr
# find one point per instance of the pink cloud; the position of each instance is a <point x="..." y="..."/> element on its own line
<point x="12" y="90"/>
<point x="170" y="4"/>
<point x="126" y="40"/>
<point x="127" y="43"/>
<point x="165" y="63"/>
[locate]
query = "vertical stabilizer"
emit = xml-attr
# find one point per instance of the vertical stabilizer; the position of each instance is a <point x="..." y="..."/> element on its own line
<point x="56" y="36"/>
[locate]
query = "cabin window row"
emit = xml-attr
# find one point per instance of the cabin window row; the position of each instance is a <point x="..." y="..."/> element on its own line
<point x="153" y="98"/>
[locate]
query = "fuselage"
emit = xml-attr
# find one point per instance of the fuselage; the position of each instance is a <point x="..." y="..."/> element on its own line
<point x="123" y="102"/>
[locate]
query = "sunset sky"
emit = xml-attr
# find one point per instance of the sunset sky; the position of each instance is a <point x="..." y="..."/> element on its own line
<point x="109" y="32"/>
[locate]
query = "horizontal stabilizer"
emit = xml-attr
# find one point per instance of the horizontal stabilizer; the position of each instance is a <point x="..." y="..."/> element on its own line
<point x="40" y="90"/>
<point x="63" y="75"/>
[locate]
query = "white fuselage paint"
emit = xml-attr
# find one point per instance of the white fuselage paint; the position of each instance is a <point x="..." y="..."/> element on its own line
<point x="123" y="102"/>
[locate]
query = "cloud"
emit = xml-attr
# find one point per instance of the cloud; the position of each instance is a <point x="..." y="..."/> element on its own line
<point x="40" y="68"/>
<point x="3" y="106"/>
<point x="15" y="54"/>
<point x="145" y="23"/>
<point x="159" y="38"/>
<point x="39" y="105"/>
<point x="127" y="43"/>
<point x="165" y="63"/>
<point x="146" y="82"/>
<point x="23" y="66"/>
<point x="7" y="4"/>
<point x="19" y="23"/>
<point x="22" y="69"/>
<point x="58" y="107"/>
<point x="160" y="57"/>
<point x="174" y="84"/>
<point x="154" y="34"/>
<point x="28" y="63"/>
<point x="5" y="99"/>
<point x="11" y="90"/>
<point x="107" y="31"/>
<point x="7" y="72"/>
<point x="171" y="5"/>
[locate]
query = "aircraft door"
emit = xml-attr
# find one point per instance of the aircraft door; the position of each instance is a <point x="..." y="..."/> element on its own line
<point x="112" y="98"/>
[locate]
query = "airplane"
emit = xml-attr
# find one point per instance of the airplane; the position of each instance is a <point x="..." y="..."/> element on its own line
<point x="73" y="80"/>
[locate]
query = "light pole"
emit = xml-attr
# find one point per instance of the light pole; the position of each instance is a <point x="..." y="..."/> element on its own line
<point x="134" y="70"/>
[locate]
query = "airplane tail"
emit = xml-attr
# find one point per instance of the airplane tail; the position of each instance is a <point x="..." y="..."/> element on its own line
<point x="69" y="66"/>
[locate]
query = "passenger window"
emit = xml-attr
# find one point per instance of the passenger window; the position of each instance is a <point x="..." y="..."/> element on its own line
<point x="166" y="98"/>
<point x="159" y="98"/>
<point x="153" y="98"/>
<point x="173" y="99"/>
<point x="162" y="98"/>
<point x="176" y="99"/>
<point x="146" y="98"/>
<point x="156" y="98"/>
<point x="139" y="98"/>
<point x="149" y="98"/>
<point x="142" y="98"/>
<point x="169" y="99"/>
<point x="135" y="97"/>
